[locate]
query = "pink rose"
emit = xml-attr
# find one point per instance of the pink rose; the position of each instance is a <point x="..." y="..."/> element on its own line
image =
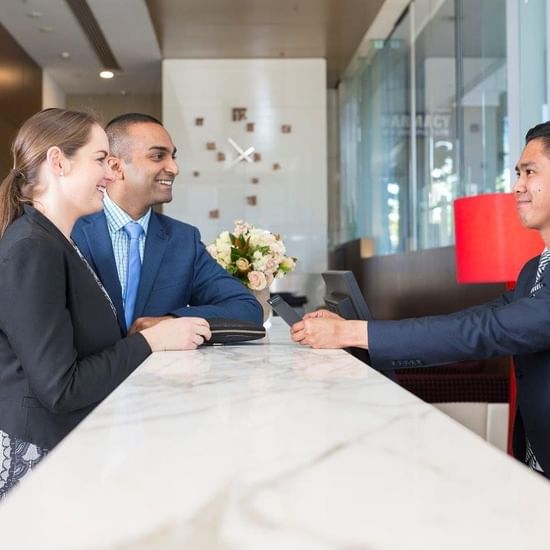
<point x="256" y="280"/>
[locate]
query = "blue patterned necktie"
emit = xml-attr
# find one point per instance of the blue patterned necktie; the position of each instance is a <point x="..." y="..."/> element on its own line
<point x="134" y="231"/>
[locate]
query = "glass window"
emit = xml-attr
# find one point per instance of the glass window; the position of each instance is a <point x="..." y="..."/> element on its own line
<point x="435" y="127"/>
<point x="532" y="64"/>
<point x="375" y="136"/>
<point x="483" y="97"/>
<point x="424" y="121"/>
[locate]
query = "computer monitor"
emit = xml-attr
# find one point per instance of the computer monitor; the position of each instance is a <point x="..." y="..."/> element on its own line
<point x="344" y="297"/>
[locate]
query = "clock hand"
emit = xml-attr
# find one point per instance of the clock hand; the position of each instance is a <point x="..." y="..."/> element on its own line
<point x="243" y="155"/>
<point x="231" y="142"/>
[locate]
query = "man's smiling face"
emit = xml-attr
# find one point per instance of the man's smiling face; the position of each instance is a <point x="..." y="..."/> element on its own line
<point x="149" y="165"/>
<point x="532" y="187"/>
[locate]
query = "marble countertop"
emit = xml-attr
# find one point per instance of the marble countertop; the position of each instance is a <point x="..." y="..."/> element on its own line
<point x="269" y="445"/>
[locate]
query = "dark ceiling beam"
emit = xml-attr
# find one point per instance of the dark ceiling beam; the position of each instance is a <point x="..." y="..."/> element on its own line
<point x="92" y="30"/>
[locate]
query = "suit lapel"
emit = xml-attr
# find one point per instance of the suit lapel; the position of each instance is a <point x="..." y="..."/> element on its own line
<point x="101" y="251"/>
<point x="527" y="279"/>
<point x="155" y="246"/>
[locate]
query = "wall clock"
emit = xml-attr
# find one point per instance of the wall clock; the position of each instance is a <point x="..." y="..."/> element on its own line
<point x="239" y="148"/>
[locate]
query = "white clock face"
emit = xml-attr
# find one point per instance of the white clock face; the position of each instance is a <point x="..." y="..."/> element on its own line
<point x="235" y="160"/>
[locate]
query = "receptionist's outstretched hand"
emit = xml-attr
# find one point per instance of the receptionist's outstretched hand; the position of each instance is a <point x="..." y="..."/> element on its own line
<point x="322" y="313"/>
<point x="324" y="329"/>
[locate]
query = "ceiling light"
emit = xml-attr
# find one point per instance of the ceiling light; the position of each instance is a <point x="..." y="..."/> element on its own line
<point x="46" y="28"/>
<point x="35" y="14"/>
<point x="106" y="74"/>
<point x="64" y="55"/>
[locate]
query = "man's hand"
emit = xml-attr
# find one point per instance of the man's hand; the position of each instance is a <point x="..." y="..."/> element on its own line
<point x="322" y="313"/>
<point x="323" y="329"/>
<point x="146" y="322"/>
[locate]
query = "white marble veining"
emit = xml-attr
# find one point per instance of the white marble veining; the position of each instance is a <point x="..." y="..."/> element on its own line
<point x="273" y="446"/>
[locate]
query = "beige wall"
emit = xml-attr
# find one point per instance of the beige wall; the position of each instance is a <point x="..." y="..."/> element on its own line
<point x="108" y="106"/>
<point x="52" y="93"/>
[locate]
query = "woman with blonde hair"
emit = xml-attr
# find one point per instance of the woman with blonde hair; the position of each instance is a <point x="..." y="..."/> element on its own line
<point x="61" y="349"/>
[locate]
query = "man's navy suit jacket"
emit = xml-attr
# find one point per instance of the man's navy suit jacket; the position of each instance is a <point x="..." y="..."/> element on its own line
<point x="177" y="272"/>
<point x="514" y="324"/>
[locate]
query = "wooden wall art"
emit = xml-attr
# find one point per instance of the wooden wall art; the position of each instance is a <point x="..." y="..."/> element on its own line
<point x="238" y="113"/>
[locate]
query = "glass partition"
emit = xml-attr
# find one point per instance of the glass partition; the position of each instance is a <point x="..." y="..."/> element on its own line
<point x="423" y="121"/>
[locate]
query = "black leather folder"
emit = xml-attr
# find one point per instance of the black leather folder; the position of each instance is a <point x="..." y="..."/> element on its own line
<point x="233" y="331"/>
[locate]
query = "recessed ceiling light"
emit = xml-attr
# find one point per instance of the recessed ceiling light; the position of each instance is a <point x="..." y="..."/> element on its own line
<point x="46" y="28"/>
<point x="106" y="74"/>
<point x="64" y="55"/>
<point x="34" y="14"/>
<point x="123" y="92"/>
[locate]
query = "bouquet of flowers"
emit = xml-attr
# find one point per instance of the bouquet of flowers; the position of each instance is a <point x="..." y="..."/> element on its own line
<point x="254" y="256"/>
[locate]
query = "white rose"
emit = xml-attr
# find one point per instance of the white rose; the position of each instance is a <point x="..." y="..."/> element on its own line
<point x="223" y="237"/>
<point x="241" y="228"/>
<point x="288" y="263"/>
<point x="212" y="250"/>
<point x="261" y="263"/>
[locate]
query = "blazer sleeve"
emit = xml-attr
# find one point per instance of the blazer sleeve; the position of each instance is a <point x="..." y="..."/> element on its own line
<point x="215" y="293"/>
<point x="38" y="325"/>
<point x="502" y="327"/>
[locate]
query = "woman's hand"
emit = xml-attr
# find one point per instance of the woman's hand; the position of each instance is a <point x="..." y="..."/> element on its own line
<point x="183" y="333"/>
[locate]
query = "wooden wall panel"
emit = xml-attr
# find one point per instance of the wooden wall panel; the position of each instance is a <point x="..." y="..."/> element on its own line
<point x="20" y="93"/>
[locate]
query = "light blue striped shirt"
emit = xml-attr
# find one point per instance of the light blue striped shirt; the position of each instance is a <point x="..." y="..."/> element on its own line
<point x="116" y="220"/>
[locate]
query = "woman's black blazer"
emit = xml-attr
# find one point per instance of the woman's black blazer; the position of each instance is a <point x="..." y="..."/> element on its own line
<point x="61" y="350"/>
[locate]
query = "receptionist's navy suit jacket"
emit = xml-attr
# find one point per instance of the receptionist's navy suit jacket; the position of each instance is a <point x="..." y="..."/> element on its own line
<point x="515" y="324"/>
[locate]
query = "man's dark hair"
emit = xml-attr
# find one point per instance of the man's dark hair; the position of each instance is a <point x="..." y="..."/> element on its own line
<point x="542" y="132"/>
<point x="117" y="131"/>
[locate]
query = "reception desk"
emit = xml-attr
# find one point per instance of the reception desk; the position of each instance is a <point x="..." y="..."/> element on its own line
<point x="270" y="445"/>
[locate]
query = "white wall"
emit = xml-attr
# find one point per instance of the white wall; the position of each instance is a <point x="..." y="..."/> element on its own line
<point x="107" y="106"/>
<point x="291" y="201"/>
<point x="52" y="93"/>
